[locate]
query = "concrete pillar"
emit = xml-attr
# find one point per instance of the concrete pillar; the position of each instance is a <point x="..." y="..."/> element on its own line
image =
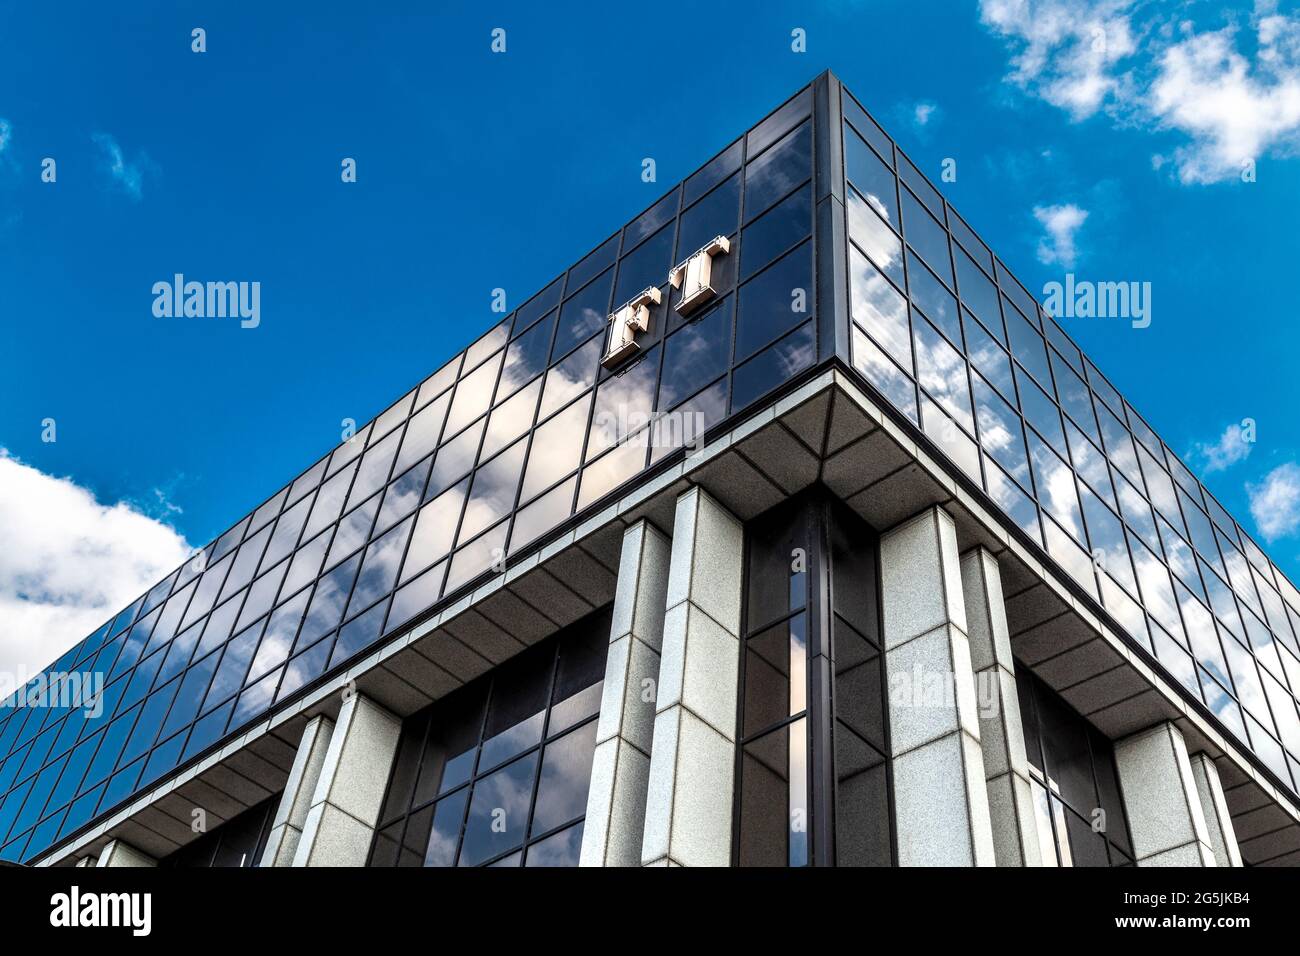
<point x="620" y="769"/>
<point x="87" y="861"/>
<point x="118" y="853"/>
<point x="1164" y="810"/>
<point x="349" y="793"/>
<point x="1002" y="737"/>
<point x="1214" y="806"/>
<point x="688" y="816"/>
<point x="941" y="805"/>
<point x="291" y="815"/>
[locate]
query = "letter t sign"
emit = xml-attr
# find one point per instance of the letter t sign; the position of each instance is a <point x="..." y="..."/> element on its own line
<point x="695" y="276"/>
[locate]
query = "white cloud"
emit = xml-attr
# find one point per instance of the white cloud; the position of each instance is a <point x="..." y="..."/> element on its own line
<point x="5" y="132"/>
<point x="1232" y="110"/>
<point x="1275" y="502"/>
<point x="130" y="176"/>
<point x="1066" y="50"/>
<point x="68" y="563"/>
<point x="1061" y="223"/>
<point x="924" y="113"/>
<point x="1231" y="447"/>
<point x="1151" y="70"/>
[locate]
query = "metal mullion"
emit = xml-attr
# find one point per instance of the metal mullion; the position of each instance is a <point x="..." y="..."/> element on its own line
<point x="1034" y="691"/>
<point x="786" y="195"/>
<point x="541" y="746"/>
<point x="781" y="724"/>
<point x="115" y="768"/>
<point x="663" y="340"/>
<point x="544" y="492"/>
<point x="78" y="793"/>
<point x="424" y="489"/>
<point x="362" y="548"/>
<point x="677" y="212"/>
<point x="44" y="813"/>
<point x="492" y="860"/>
<point x="188" y="728"/>
<point x="387" y="485"/>
<point x="496" y="384"/>
<point x="542" y="837"/>
<point x="735" y="312"/>
<point x="781" y="255"/>
<point x="405" y="819"/>
<point x="526" y="437"/>
<point x="1096" y="789"/>
<point x="474" y="774"/>
<point x="1199" y="577"/>
<point x="180" y="680"/>
<point x="965" y="353"/>
<point x="474" y="467"/>
<point x="853" y="246"/>
<point x="778" y="621"/>
<point x="248" y="588"/>
<point x="907" y="284"/>
<point x="203" y="618"/>
<point x="819" y="700"/>
<point x="686" y="207"/>
<point x="739" y="751"/>
<point x="595" y="387"/>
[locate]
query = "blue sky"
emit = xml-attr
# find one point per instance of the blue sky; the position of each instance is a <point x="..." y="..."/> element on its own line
<point x="1101" y="137"/>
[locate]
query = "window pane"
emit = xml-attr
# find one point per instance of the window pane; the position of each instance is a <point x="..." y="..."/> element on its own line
<point x="717" y="214"/>
<point x="517" y="711"/>
<point x="941" y="371"/>
<point x="444" y="836"/>
<point x="559" y="849"/>
<point x="566" y="773"/>
<point x="774" y="301"/>
<point x="775" y="231"/>
<point x="869" y="232"/>
<point x="492" y="491"/>
<point x="926" y="236"/>
<point x="872" y="178"/>
<point x="776" y="677"/>
<point x="777" y="171"/>
<point x="933" y="298"/>
<point x="556" y="449"/>
<point x="773" y="366"/>
<point x="647" y="265"/>
<point x="498" y="812"/>
<point x="696" y="354"/>
<point x="584" y="314"/>
<point x="774" y="799"/>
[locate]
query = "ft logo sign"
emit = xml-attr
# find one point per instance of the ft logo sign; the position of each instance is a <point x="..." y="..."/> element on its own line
<point x="693" y="277"/>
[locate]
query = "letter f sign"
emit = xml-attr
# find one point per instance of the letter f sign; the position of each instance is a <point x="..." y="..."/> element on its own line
<point x="695" y="279"/>
<point x="625" y="323"/>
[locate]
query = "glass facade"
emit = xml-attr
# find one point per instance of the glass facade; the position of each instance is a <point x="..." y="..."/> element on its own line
<point x="1077" y="804"/>
<point x="496" y="773"/>
<point x="468" y="470"/>
<point x="812" y="773"/>
<point x="238" y="842"/>
<point x="951" y="340"/>
<point x="525" y="431"/>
